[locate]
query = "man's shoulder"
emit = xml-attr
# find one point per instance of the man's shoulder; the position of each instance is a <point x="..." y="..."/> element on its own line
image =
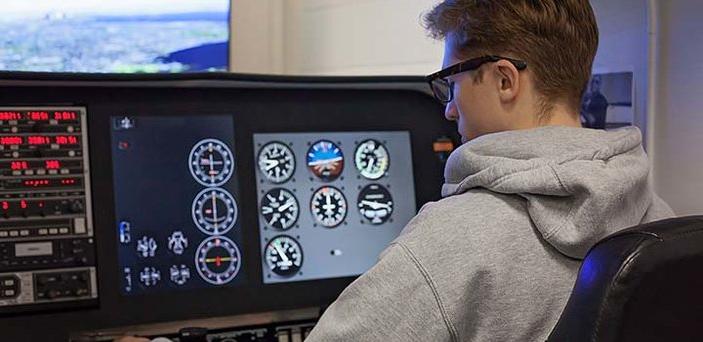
<point x="471" y="217"/>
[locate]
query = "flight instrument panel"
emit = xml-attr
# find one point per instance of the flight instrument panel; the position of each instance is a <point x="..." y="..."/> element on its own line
<point x="177" y="203"/>
<point x="47" y="252"/>
<point x="330" y="202"/>
<point x="148" y="199"/>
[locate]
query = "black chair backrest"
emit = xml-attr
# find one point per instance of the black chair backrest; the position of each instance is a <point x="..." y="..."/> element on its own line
<point x="642" y="284"/>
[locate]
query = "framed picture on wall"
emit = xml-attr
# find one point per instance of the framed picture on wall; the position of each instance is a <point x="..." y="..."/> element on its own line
<point x="608" y="101"/>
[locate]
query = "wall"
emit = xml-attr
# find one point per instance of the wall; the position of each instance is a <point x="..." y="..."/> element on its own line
<point x="623" y="46"/>
<point x="679" y="120"/>
<point x="257" y="36"/>
<point x="361" y="37"/>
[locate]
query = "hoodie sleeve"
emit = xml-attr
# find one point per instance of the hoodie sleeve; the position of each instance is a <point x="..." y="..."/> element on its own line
<point x="394" y="301"/>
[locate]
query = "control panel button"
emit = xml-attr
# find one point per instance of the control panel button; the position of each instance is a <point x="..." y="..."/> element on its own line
<point x="79" y="226"/>
<point x="3" y="233"/>
<point x="14" y="233"/>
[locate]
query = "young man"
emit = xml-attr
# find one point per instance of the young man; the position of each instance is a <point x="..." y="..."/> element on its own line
<point x="526" y="196"/>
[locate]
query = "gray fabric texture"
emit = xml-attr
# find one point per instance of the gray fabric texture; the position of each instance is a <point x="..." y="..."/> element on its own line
<point x="497" y="257"/>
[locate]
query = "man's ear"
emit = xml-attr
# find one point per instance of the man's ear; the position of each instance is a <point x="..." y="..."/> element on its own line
<point x="508" y="78"/>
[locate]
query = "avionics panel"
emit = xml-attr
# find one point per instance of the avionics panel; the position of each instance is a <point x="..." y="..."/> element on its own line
<point x="151" y="179"/>
<point x="47" y="252"/>
<point x="176" y="203"/>
<point x="330" y="202"/>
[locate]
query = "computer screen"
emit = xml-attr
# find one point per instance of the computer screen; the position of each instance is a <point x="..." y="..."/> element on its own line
<point x="114" y="36"/>
<point x="327" y="203"/>
<point x="177" y="203"/>
<point x="330" y="202"/>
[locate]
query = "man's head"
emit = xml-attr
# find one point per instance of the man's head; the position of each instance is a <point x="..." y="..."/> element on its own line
<point x="557" y="39"/>
<point x="595" y="84"/>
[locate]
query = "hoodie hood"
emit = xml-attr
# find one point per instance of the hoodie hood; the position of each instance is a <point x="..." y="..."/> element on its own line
<point x="580" y="184"/>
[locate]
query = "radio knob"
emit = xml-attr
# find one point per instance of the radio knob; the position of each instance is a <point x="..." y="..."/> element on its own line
<point x="77" y="206"/>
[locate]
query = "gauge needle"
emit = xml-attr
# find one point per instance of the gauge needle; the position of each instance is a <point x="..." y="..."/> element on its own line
<point x="375" y="205"/>
<point x="217" y="260"/>
<point x="214" y="210"/>
<point x="281" y="252"/>
<point x="370" y="164"/>
<point x="212" y="168"/>
<point x="286" y="205"/>
<point x="328" y="206"/>
<point x="270" y="164"/>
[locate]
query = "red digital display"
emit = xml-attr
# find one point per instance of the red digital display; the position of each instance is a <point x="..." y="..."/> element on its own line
<point x="19" y="165"/>
<point x="38" y="140"/>
<point x="5" y="205"/>
<point x="35" y="183"/>
<point x="38" y="116"/>
<point x="66" y="140"/>
<point x="52" y="164"/>
<point x="10" y="116"/>
<point x="10" y="141"/>
<point x="68" y="181"/>
<point x="65" y="116"/>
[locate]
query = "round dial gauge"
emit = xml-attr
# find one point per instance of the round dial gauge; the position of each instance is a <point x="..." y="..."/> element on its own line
<point x="375" y="203"/>
<point x="325" y="160"/>
<point x="279" y="208"/>
<point x="371" y="159"/>
<point x="329" y="207"/>
<point x="284" y="255"/>
<point x="218" y="260"/>
<point x="214" y="211"/>
<point x="211" y="162"/>
<point x="276" y="162"/>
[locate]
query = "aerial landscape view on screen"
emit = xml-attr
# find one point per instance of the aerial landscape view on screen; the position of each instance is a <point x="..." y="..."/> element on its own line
<point x="123" y="36"/>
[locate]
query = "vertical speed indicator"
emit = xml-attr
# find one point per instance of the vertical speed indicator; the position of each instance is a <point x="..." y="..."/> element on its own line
<point x="284" y="256"/>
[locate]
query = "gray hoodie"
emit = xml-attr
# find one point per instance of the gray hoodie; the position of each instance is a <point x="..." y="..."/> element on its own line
<point x="496" y="259"/>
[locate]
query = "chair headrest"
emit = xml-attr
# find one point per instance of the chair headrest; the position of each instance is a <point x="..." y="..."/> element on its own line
<point x="640" y="284"/>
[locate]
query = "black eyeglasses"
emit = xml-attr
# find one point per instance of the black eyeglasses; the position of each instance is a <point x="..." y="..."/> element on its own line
<point x="443" y="89"/>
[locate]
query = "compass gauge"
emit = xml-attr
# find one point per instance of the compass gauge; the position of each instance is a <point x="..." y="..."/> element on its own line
<point x="329" y="207"/>
<point x="325" y="160"/>
<point x="375" y="204"/>
<point x="371" y="159"/>
<point x="211" y="162"/>
<point x="214" y="211"/>
<point x="284" y="256"/>
<point x="218" y="260"/>
<point x="279" y="208"/>
<point x="276" y="162"/>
